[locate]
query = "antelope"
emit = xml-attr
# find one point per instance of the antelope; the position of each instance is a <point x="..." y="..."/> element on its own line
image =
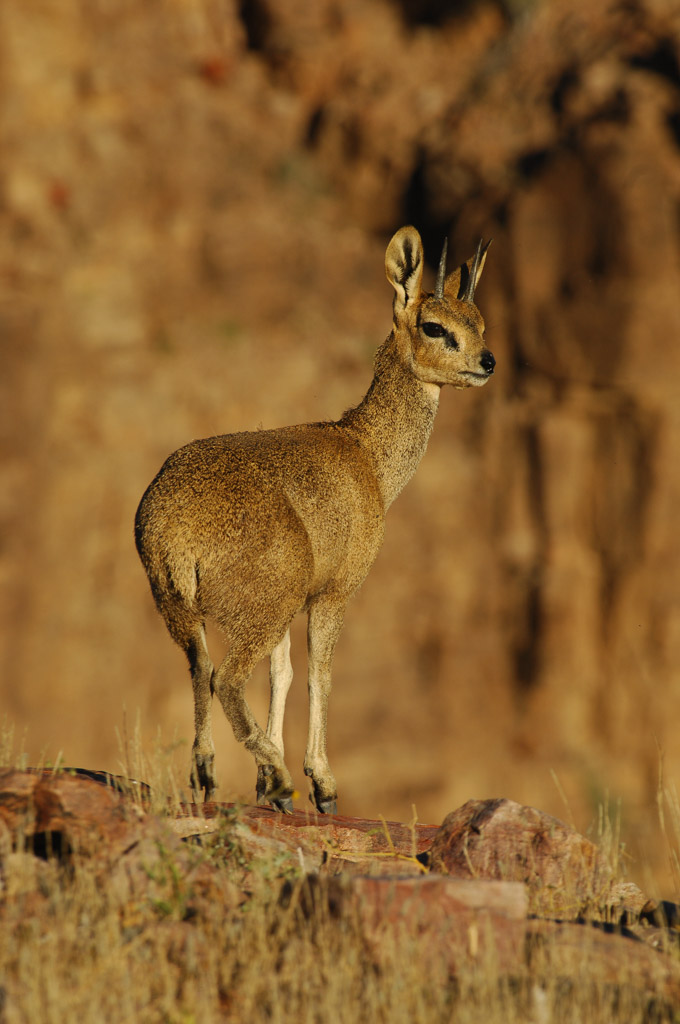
<point x="248" y="529"/>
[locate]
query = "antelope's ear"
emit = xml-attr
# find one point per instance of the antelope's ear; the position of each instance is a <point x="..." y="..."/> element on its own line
<point x="404" y="267"/>
<point x="459" y="283"/>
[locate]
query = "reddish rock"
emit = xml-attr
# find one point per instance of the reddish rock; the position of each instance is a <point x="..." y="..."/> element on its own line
<point x="61" y="813"/>
<point x="348" y="839"/>
<point x="453" y="920"/>
<point x="458" y="919"/>
<point x="461" y="925"/>
<point x="566" y="873"/>
<point x="140" y="858"/>
<point x="433" y="900"/>
<point x="163" y="871"/>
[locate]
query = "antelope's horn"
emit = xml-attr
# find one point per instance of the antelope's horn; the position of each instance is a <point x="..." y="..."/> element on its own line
<point x="472" y="279"/>
<point x="441" y="272"/>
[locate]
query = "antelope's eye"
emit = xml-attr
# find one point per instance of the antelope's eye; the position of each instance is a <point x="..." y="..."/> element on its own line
<point x="433" y="330"/>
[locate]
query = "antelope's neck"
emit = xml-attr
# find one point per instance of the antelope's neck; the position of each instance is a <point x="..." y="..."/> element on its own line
<point x="394" y="421"/>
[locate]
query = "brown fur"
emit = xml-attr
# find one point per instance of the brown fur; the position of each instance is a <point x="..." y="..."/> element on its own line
<point x="248" y="529"/>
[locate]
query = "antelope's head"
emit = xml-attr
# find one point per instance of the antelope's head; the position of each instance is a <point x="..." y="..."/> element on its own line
<point x="440" y="334"/>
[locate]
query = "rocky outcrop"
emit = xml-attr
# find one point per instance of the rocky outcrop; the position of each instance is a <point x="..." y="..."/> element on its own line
<point x="61" y="814"/>
<point x="486" y="894"/>
<point x="565" y="873"/>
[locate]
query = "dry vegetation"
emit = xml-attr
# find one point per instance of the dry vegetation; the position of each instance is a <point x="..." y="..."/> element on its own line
<point x="210" y="930"/>
<point x="87" y="958"/>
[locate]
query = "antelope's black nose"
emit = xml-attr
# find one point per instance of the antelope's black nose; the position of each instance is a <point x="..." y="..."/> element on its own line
<point x="487" y="360"/>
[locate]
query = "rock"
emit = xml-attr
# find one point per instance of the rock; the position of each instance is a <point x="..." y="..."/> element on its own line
<point x="458" y="919"/>
<point x="567" y="875"/>
<point x="332" y="838"/>
<point x="490" y="864"/>
<point x="628" y="903"/>
<point x="61" y="816"/>
<point x="436" y="898"/>
<point x="454" y="920"/>
<point x="162" y="871"/>
<point x="61" y="813"/>
<point x="460" y="926"/>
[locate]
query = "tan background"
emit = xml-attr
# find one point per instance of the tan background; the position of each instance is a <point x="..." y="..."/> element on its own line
<point x="195" y="198"/>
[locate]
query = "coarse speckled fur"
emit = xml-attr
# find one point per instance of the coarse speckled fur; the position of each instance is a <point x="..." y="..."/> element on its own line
<point x="247" y="529"/>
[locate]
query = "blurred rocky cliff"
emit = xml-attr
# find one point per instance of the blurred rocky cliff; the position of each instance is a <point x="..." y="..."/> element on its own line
<point x="195" y="198"/>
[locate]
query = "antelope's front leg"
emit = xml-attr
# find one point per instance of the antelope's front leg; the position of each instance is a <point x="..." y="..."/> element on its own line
<point x="324" y="625"/>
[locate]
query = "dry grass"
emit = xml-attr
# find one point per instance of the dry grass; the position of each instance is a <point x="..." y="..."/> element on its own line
<point x="76" y="955"/>
<point x="75" y="944"/>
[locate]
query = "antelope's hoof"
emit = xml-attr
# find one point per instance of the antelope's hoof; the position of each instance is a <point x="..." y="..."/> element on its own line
<point x="269" y="793"/>
<point x="202" y="778"/>
<point x="206" y="793"/>
<point x="324" y="806"/>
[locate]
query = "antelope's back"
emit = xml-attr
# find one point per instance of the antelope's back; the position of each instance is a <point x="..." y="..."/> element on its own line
<point x="240" y="498"/>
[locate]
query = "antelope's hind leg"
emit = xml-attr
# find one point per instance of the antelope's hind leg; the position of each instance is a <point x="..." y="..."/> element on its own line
<point x="280" y="678"/>
<point x="203" y="751"/>
<point x="174" y="590"/>
<point x="188" y="631"/>
<point x="275" y="784"/>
